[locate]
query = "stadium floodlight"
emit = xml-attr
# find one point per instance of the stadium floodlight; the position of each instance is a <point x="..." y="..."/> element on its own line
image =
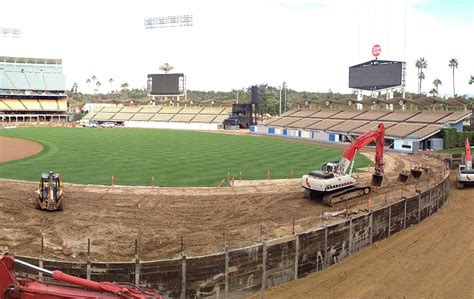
<point x="10" y="32"/>
<point x="169" y="21"/>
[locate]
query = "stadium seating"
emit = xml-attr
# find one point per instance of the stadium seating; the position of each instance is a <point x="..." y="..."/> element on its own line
<point x="31" y="104"/>
<point x="4" y="107"/>
<point x="403" y="129"/>
<point x="426" y="131"/>
<point x="399" y="115"/>
<point x="285" y="121"/>
<point x="372" y="114"/>
<point x="142" y="116"/>
<point x="15" y="104"/>
<point x="304" y="113"/>
<point x="325" y="113"/>
<point x="372" y="125"/>
<point x="182" y="117"/>
<point x="122" y="116"/>
<point x="62" y="104"/>
<point x="324" y="124"/>
<point x="212" y="110"/>
<point x="348" y="126"/>
<point x="162" y="117"/>
<point x="111" y="109"/>
<point x="428" y="116"/>
<point x="348" y="114"/>
<point x="455" y="116"/>
<point x="103" y="116"/>
<point x="203" y="118"/>
<point x="305" y="122"/>
<point x="131" y="109"/>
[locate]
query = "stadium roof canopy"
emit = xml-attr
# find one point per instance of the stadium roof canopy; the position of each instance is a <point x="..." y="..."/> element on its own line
<point x="8" y="59"/>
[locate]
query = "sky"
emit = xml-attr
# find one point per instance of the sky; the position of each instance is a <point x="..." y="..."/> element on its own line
<point x="235" y="44"/>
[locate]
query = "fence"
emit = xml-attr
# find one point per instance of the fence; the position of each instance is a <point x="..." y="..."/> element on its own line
<point x="235" y="273"/>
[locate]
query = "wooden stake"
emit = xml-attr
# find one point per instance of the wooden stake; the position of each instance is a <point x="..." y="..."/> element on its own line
<point x="293" y="225"/>
<point x="88" y="248"/>
<point x="240" y="175"/>
<point x="269" y="174"/>
<point x="113" y="181"/>
<point x="152" y="182"/>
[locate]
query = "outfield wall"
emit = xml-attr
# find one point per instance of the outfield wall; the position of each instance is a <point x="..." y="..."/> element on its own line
<point x="237" y="272"/>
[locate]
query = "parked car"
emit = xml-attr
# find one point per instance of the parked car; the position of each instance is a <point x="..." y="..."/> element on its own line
<point x="90" y="124"/>
<point x="108" y="124"/>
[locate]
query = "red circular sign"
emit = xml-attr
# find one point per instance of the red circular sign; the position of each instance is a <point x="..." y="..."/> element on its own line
<point x="376" y="49"/>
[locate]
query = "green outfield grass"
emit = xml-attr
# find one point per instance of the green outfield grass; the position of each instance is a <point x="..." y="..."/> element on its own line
<point x="174" y="158"/>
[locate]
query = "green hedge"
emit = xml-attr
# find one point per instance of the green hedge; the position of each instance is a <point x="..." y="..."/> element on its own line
<point x="452" y="138"/>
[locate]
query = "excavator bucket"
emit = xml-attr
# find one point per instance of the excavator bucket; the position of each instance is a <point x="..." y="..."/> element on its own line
<point x="403" y="176"/>
<point x="377" y="180"/>
<point x="416" y="173"/>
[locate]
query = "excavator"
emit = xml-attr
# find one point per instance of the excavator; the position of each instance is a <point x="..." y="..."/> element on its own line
<point x="465" y="173"/>
<point x="50" y="192"/>
<point x="65" y="286"/>
<point x="335" y="183"/>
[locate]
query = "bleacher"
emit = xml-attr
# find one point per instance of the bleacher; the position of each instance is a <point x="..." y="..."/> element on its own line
<point x="32" y="89"/>
<point x="398" y="123"/>
<point x="161" y="114"/>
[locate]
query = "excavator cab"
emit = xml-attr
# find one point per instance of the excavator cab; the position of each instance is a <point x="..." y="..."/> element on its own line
<point x="50" y="192"/>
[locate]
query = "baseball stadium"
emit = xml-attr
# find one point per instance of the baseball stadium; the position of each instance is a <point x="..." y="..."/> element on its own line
<point x="173" y="195"/>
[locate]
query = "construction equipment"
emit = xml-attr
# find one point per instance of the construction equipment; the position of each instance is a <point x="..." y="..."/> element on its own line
<point x="465" y="173"/>
<point x="65" y="286"/>
<point x="335" y="182"/>
<point x="50" y="192"/>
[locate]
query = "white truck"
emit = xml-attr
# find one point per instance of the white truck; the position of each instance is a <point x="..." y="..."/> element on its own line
<point x="465" y="173"/>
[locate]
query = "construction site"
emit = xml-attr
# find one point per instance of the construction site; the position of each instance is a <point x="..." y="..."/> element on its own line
<point x="215" y="242"/>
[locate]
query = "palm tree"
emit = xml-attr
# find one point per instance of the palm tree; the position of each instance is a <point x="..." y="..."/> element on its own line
<point x="111" y="81"/>
<point x="436" y="83"/>
<point x="166" y="67"/>
<point x="74" y="87"/>
<point x="88" y="82"/>
<point x="98" y="84"/>
<point x="433" y="92"/>
<point x="421" y="64"/>
<point x="453" y="63"/>
<point x="124" y="86"/>
<point x="471" y="81"/>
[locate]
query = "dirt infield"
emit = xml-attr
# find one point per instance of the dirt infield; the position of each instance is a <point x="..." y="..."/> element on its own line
<point x="15" y="148"/>
<point x="206" y="218"/>
<point x="432" y="259"/>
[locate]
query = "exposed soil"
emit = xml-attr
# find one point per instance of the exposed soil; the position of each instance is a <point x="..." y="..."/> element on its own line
<point x="432" y="259"/>
<point x="16" y="148"/>
<point x="206" y="218"/>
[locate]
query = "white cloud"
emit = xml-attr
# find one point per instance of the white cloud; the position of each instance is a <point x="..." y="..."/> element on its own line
<point x="232" y="44"/>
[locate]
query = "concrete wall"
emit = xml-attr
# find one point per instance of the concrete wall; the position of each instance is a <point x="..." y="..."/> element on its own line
<point x="235" y="273"/>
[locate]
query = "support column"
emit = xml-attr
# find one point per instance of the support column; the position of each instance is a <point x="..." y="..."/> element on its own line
<point x="405" y="215"/>
<point x="389" y="218"/>
<point x="183" y="277"/>
<point x="371" y="227"/>
<point x="325" y="246"/>
<point x="264" y="266"/>
<point x="226" y="273"/>
<point x="350" y="236"/>
<point x="297" y="254"/>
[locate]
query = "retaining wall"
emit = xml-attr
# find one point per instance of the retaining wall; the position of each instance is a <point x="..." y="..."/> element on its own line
<point x="235" y="273"/>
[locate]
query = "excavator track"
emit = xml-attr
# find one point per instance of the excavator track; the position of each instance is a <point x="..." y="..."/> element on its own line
<point x="338" y="196"/>
<point x="346" y="194"/>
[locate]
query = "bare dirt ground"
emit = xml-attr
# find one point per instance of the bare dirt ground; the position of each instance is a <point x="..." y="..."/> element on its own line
<point x="206" y="218"/>
<point x="16" y="148"/>
<point x="433" y="259"/>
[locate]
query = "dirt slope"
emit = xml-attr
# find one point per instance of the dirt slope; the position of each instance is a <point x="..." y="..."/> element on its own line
<point x="432" y="259"/>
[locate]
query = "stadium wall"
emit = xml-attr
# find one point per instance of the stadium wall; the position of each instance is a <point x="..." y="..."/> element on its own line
<point x="172" y="125"/>
<point x="235" y="273"/>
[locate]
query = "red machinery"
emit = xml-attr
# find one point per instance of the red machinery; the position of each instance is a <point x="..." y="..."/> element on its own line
<point x="335" y="183"/>
<point x="76" y="287"/>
